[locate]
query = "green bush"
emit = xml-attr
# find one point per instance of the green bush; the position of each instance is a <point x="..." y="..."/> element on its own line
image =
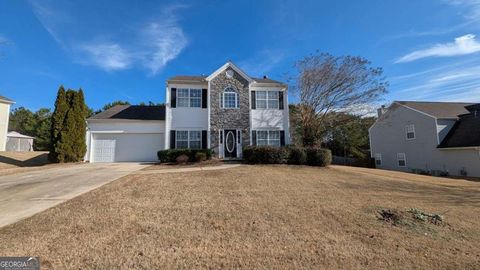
<point x="291" y="155"/>
<point x="318" y="157"/>
<point x="265" y="155"/>
<point x="171" y="155"/>
<point x="296" y="155"/>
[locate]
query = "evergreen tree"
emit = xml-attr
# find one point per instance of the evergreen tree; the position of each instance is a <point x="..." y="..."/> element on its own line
<point x="58" y="119"/>
<point x="81" y="113"/>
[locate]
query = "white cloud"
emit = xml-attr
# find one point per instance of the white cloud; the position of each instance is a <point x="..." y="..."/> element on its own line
<point x="463" y="45"/>
<point x="151" y="44"/>
<point x="108" y="56"/>
<point x="166" y="41"/>
<point x="451" y="82"/>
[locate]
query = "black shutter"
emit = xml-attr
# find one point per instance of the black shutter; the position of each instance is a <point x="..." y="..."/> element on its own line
<point x="204" y="98"/>
<point x="253" y="101"/>
<point x="172" y="139"/>
<point x="280" y="100"/>
<point x="173" y="98"/>
<point x="282" y="137"/>
<point x="204" y="139"/>
<point x="254" y="137"/>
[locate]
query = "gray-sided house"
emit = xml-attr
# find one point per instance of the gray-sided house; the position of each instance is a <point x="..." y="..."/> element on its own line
<point x="433" y="137"/>
<point x="224" y="111"/>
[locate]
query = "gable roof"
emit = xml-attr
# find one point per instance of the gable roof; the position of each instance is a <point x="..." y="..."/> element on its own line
<point x="231" y="65"/>
<point x="465" y="132"/>
<point x="441" y="110"/>
<point x="132" y="112"/>
<point x="14" y="134"/>
<point x="6" y="100"/>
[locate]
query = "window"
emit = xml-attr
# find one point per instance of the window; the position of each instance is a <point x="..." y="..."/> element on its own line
<point x="267" y="99"/>
<point x="402" y="161"/>
<point x="189" y="97"/>
<point x="270" y="137"/>
<point x="378" y="159"/>
<point x="410" y="131"/>
<point x="188" y="139"/>
<point x="230" y="98"/>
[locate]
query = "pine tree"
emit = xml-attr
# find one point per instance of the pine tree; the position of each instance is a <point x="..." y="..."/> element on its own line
<point x="79" y="142"/>
<point x="58" y="118"/>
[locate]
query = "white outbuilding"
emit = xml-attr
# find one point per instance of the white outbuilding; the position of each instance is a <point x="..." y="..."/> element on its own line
<point x="18" y="142"/>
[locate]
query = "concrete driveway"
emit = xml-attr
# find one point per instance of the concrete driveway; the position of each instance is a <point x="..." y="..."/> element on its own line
<point x="25" y="194"/>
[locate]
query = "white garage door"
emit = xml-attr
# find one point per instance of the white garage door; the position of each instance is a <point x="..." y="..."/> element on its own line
<point x="126" y="147"/>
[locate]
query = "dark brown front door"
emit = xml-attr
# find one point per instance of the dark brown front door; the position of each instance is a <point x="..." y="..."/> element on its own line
<point x="230" y="143"/>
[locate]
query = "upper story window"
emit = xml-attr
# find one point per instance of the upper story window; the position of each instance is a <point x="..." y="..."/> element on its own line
<point x="410" y="132"/>
<point x="187" y="97"/>
<point x="229" y="98"/>
<point x="267" y="99"/>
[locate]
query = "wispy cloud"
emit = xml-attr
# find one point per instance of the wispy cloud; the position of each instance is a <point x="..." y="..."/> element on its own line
<point x="108" y="56"/>
<point x="451" y="82"/>
<point x="152" y="44"/>
<point x="463" y="45"/>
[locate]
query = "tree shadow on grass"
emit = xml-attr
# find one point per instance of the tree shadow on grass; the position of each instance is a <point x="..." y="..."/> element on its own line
<point x="35" y="161"/>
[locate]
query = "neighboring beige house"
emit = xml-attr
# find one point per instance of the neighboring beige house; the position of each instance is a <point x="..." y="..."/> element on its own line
<point x="4" y="115"/>
<point x="428" y="137"/>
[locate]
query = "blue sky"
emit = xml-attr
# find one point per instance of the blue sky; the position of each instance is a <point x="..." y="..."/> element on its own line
<point x="127" y="49"/>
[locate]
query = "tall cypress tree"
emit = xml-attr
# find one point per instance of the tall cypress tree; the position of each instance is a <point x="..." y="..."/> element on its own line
<point x="58" y="118"/>
<point x="78" y="136"/>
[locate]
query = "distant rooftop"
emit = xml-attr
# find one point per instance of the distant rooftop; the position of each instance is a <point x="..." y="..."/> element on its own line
<point x="441" y="110"/>
<point x="132" y="112"/>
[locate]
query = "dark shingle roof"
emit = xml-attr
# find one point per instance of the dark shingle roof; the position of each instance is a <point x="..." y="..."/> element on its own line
<point x="266" y="80"/>
<point x="443" y="110"/>
<point x="466" y="131"/>
<point x="188" y="79"/>
<point x="132" y="112"/>
<point x="5" y="99"/>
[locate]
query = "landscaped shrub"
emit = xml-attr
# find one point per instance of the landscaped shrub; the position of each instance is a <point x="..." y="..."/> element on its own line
<point x="182" y="159"/>
<point x="296" y="155"/>
<point x="171" y="155"/>
<point x="265" y="155"/>
<point x="318" y="157"/>
<point x="199" y="156"/>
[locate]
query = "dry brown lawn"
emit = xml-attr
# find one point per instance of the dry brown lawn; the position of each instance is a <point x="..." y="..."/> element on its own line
<point x="258" y="217"/>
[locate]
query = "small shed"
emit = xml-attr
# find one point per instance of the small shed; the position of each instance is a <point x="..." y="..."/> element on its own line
<point x="18" y="142"/>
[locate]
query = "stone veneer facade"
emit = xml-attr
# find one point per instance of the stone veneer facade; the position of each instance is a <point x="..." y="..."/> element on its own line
<point x="229" y="118"/>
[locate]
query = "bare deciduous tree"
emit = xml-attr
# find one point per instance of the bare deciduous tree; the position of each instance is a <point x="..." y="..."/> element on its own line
<point x="326" y="83"/>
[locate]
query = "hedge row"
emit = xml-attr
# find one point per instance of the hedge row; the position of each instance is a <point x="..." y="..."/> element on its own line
<point x="171" y="155"/>
<point x="289" y="155"/>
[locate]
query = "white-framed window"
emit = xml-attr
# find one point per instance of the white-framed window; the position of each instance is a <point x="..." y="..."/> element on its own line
<point x="401" y="159"/>
<point x="410" y="132"/>
<point x="378" y="159"/>
<point x="229" y="98"/>
<point x="191" y="139"/>
<point x="267" y="99"/>
<point x="268" y="137"/>
<point x="189" y="97"/>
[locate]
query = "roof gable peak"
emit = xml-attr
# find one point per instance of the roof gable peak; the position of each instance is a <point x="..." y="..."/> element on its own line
<point x="224" y="67"/>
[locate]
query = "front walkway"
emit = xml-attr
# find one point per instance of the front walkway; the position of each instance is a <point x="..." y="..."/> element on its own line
<point x="190" y="169"/>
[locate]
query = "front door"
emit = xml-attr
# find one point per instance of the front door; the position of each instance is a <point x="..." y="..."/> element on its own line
<point x="230" y="145"/>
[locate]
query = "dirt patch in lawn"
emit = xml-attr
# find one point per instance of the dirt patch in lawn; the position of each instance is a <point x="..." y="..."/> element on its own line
<point x="250" y="217"/>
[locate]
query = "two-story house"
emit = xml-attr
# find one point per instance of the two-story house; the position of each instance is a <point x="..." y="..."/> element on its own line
<point x="430" y="137"/>
<point x="224" y="111"/>
<point x="5" y="104"/>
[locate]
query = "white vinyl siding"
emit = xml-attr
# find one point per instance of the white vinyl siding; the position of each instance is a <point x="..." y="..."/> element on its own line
<point x="191" y="139"/>
<point x="187" y="97"/>
<point x="401" y="159"/>
<point x="410" y="132"/>
<point x="267" y="99"/>
<point x="268" y="137"/>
